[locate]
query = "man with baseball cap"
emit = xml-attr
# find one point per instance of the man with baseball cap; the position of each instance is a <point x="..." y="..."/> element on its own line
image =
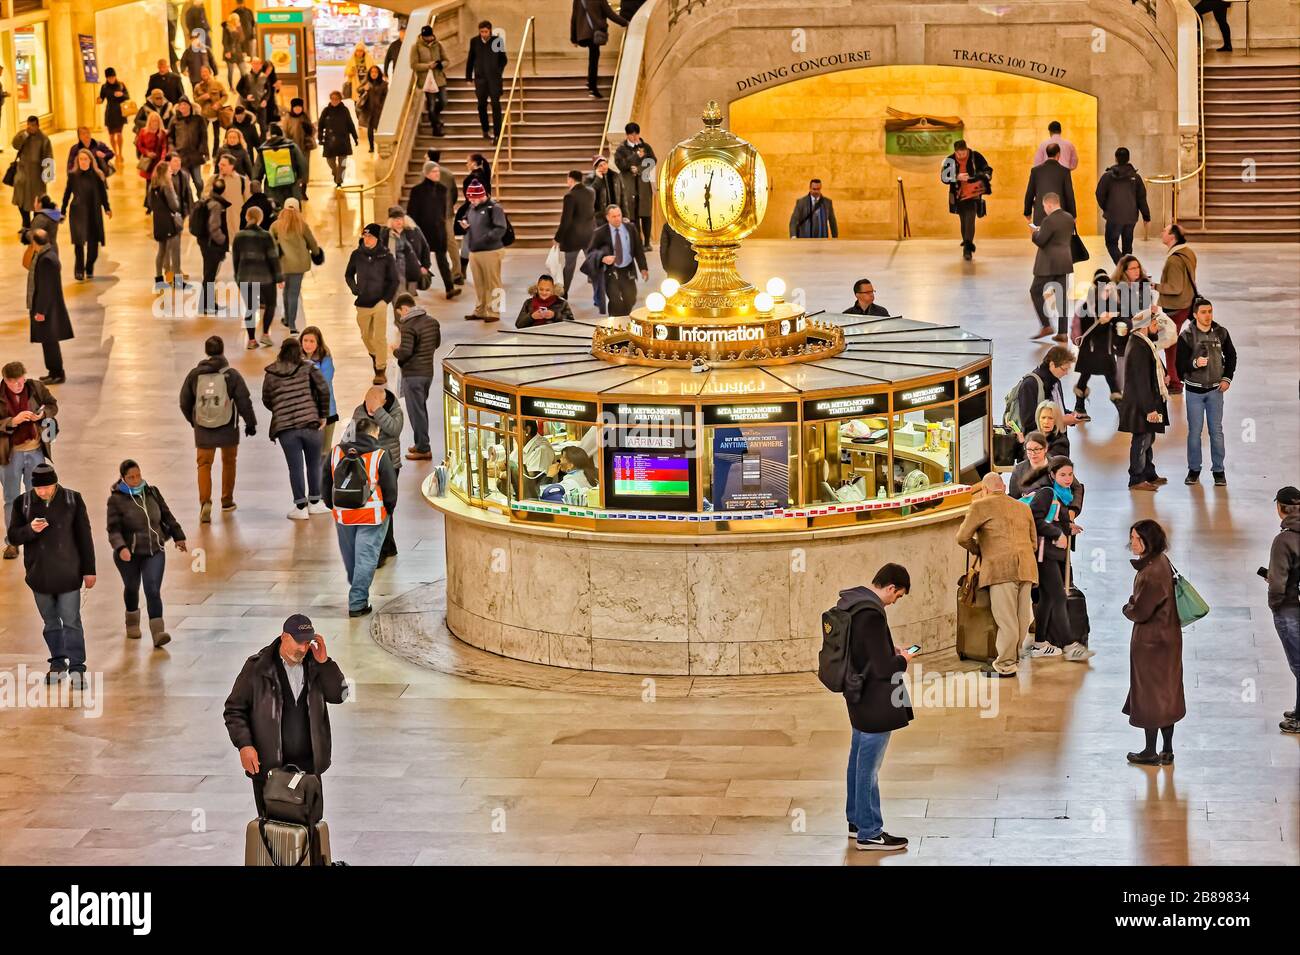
<point x="276" y="713"/>
<point x="1283" y="575"/>
<point x="51" y="525"/>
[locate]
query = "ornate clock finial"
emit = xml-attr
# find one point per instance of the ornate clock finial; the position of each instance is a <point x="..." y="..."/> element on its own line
<point x="712" y="114"/>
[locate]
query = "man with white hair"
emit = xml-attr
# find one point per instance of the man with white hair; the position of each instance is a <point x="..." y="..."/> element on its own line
<point x="1001" y="533"/>
<point x="1144" y="409"/>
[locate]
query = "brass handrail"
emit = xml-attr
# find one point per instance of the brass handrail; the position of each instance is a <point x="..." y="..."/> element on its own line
<point x="1173" y="181"/>
<point x="613" y="88"/>
<point x="362" y="188"/>
<point x="900" y="208"/>
<point x="506" y="134"/>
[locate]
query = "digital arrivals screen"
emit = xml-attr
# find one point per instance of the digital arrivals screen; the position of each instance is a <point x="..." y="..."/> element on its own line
<point x="651" y="475"/>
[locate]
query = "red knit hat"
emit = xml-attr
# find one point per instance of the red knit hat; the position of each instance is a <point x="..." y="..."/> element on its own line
<point x="475" y="190"/>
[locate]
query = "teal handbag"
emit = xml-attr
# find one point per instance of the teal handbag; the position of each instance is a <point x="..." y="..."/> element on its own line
<point x="1191" y="605"/>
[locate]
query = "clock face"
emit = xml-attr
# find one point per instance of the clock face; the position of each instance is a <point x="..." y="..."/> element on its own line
<point x="760" y="187"/>
<point x="708" y="194"/>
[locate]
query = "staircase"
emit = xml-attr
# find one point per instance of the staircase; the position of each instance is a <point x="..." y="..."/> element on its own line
<point x="562" y="130"/>
<point x="1251" y="112"/>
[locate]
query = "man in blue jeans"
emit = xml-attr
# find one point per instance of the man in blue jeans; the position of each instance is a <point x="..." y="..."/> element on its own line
<point x="1206" y="361"/>
<point x="360" y="486"/>
<point x="51" y="525"/>
<point x="883" y="705"/>
<point x="1283" y="575"/>
<point x="27" y="410"/>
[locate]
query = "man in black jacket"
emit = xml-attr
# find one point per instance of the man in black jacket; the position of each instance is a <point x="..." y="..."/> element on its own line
<point x="421" y="336"/>
<point x="427" y="207"/>
<point x="1053" y="265"/>
<point x="883" y="705"/>
<point x="168" y="82"/>
<point x="213" y="391"/>
<point x="1207" y="362"/>
<point x="676" y="255"/>
<point x="864" y="300"/>
<point x="1048" y="178"/>
<point x="1122" y="197"/>
<point x="256" y="260"/>
<point x="372" y="276"/>
<point x="969" y="179"/>
<point x="813" y="216"/>
<point x="1283" y="576"/>
<point x="276" y="713"/>
<point x="486" y="66"/>
<point x="51" y="525"/>
<point x="577" y="223"/>
<point x="613" y="257"/>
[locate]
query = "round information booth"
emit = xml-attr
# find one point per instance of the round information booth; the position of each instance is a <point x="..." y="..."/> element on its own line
<point x="685" y="489"/>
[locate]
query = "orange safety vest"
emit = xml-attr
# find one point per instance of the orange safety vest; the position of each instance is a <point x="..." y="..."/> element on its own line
<point x="373" y="511"/>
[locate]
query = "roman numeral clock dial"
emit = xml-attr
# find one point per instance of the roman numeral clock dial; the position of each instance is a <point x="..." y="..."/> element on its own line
<point x="708" y="195"/>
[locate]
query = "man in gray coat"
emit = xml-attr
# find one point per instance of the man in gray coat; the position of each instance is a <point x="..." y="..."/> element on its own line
<point x="1048" y="176"/>
<point x="1053" y="265"/>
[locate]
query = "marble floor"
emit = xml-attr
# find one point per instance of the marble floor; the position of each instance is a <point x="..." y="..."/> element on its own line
<point x="478" y="760"/>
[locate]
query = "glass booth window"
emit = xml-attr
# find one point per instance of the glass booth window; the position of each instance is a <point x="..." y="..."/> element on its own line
<point x="924" y="449"/>
<point x="558" y="462"/>
<point x="846" y="458"/>
<point x="457" y="449"/>
<point x="491" y="448"/>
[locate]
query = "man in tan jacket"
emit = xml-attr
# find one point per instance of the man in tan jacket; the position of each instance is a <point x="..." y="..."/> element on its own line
<point x="1000" y="531"/>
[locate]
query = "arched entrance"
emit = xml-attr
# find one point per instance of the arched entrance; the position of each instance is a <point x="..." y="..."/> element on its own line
<point x="833" y="127"/>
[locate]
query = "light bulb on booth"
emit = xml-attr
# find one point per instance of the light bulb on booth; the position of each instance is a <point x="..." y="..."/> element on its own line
<point x="670" y="287"/>
<point x="776" y="288"/>
<point x="655" y="302"/>
<point x="763" y="302"/>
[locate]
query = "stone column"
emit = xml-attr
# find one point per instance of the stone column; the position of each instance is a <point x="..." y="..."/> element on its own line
<point x="72" y="100"/>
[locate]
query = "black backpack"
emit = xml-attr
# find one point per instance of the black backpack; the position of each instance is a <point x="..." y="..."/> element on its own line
<point x="351" y="487"/>
<point x="199" y="220"/>
<point x="834" y="666"/>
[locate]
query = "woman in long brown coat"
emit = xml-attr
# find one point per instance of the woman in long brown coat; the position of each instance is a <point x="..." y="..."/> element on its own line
<point x="1155" y="696"/>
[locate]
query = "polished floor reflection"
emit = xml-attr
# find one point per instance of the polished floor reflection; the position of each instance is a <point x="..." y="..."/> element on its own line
<point x="516" y="765"/>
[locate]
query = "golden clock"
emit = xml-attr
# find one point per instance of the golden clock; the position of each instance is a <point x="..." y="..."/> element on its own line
<point x="708" y="194"/>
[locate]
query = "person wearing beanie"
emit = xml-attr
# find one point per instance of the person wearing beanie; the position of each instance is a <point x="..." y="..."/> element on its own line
<point x="24" y="440"/>
<point x="187" y="135"/>
<point x="139" y="526"/>
<point x="427" y="55"/>
<point x="373" y="278"/>
<point x="403" y="238"/>
<point x="485" y="226"/>
<point x="427" y="207"/>
<point x="302" y="132"/>
<point x="486" y="66"/>
<point x="51" y="525"/>
<point x="1094" y="323"/>
<point x="281" y="165"/>
<point x="416" y="357"/>
<point x="338" y="134"/>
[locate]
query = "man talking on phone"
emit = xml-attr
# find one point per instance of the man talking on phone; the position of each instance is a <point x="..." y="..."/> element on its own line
<point x="51" y="525"/>
<point x="276" y="713"/>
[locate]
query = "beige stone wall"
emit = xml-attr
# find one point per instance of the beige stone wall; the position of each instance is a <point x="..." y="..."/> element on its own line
<point x="833" y="126"/>
<point x="1109" y="50"/>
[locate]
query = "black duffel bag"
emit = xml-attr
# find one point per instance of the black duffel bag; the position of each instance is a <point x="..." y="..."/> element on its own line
<point x="291" y="795"/>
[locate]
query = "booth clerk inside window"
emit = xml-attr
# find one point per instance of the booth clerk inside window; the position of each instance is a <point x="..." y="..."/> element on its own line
<point x="551" y="474"/>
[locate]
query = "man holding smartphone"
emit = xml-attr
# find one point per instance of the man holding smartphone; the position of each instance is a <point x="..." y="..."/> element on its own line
<point x="50" y="523"/>
<point x="24" y="435"/>
<point x="276" y="713"/>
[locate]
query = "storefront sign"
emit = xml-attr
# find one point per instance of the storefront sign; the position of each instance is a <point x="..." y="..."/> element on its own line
<point x="912" y="134"/>
<point x="751" y="468"/>
<point x="89" y="61"/>
<point x="751" y="414"/>
<point x="451" y="385"/>
<point x="489" y="400"/>
<point x="906" y="398"/>
<point x="279" y="17"/>
<point x="852" y="406"/>
<point x="564" y="409"/>
<point x="973" y="382"/>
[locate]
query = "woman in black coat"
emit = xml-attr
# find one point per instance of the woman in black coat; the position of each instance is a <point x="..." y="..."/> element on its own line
<point x="337" y="134"/>
<point x="46" y="309"/>
<point x="167" y="211"/>
<point x="85" y="203"/>
<point x="370" y="102"/>
<point x="139" y="526"/>
<point x="1096" y="324"/>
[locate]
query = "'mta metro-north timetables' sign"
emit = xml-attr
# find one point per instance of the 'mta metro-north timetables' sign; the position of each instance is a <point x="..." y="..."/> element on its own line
<point x="849" y="406"/>
<point x="563" y="409"/>
<point x="921" y="395"/>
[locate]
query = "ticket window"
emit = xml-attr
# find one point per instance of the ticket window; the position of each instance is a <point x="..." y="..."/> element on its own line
<point x="491" y="449"/>
<point x="925" y="452"/>
<point x="750" y="467"/>
<point x="559" y="462"/>
<point x="846" y="460"/>
<point x="456" y="429"/>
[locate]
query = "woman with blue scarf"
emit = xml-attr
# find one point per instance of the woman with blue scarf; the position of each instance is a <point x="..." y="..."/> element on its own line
<point x="139" y="526"/>
<point x="1055" y="506"/>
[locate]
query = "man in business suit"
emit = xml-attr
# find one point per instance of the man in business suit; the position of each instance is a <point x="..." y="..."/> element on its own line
<point x="613" y="257"/>
<point x="577" y="223"/>
<point x="1048" y="176"/>
<point x="814" y="215"/>
<point x="486" y="66"/>
<point x="1053" y="266"/>
<point x="864" y="300"/>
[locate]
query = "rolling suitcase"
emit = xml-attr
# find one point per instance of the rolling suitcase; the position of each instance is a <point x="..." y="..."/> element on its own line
<point x="271" y="843"/>
<point x="1076" y="607"/>
<point x="977" y="633"/>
